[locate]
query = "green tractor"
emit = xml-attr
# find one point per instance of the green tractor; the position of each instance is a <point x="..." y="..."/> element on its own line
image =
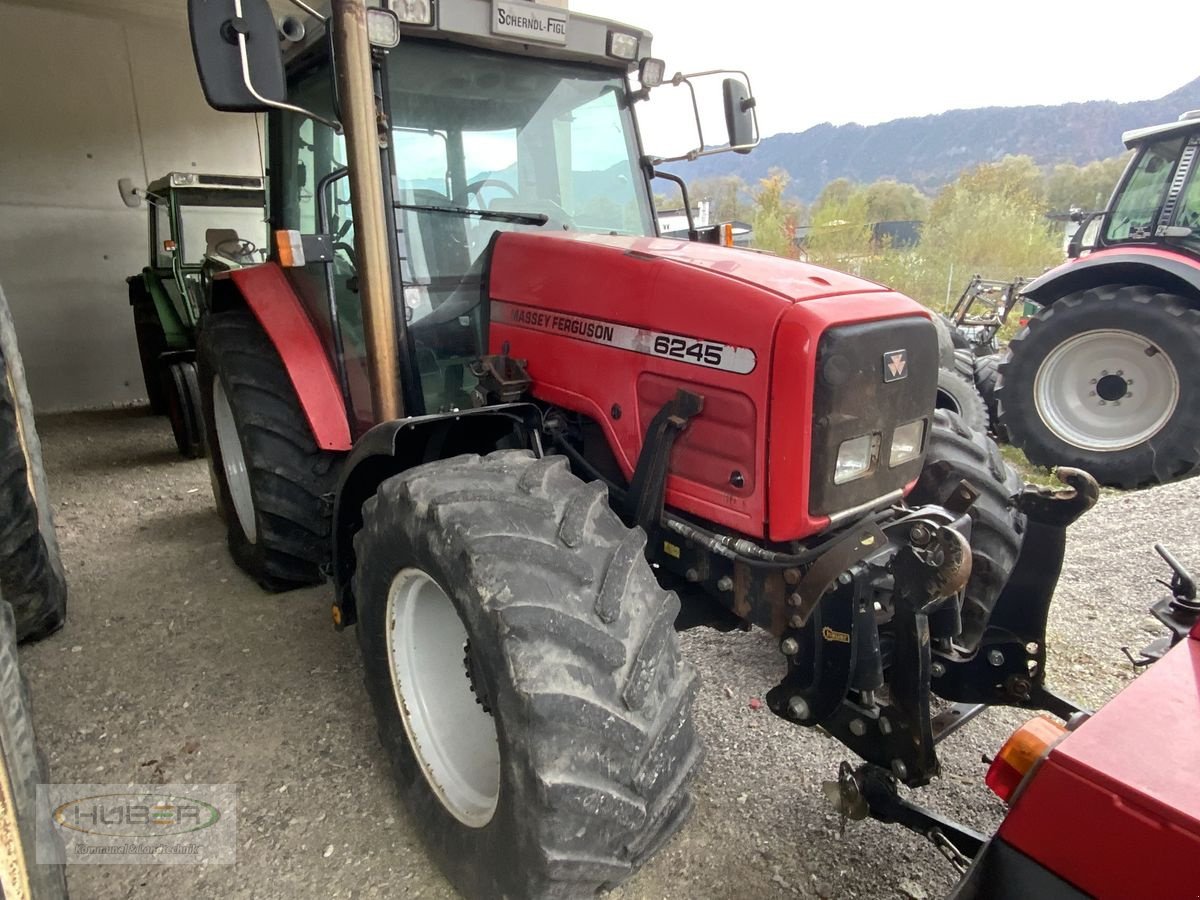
<point x="198" y="225"/>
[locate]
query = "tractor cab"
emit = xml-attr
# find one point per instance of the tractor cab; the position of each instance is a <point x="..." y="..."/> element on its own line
<point x="480" y="140"/>
<point x="1157" y="202"/>
<point x="489" y="128"/>
<point x="194" y="217"/>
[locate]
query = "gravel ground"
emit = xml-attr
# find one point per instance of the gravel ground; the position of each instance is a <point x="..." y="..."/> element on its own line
<point x="171" y="655"/>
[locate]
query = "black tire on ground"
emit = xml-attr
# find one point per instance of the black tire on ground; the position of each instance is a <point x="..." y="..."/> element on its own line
<point x="987" y="376"/>
<point x="22" y="769"/>
<point x="958" y="394"/>
<point x="287" y="539"/>
<point x="184" y="408"/>
<point x="958" y="452"/>
<point x="1167" y="325"/>
<point x="572" y="640"/>
<point x="151" y="341"/>
<point x="31" y="571"/>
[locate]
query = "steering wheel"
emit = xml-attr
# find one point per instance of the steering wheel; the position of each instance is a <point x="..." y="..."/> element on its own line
<point x="242" y="248"/>
<point x="475" y="187"/>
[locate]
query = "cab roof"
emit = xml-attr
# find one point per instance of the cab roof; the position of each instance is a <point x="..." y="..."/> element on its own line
<point x="1187" y="123"/>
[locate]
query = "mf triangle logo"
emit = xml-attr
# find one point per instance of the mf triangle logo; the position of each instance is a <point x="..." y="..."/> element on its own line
<point x="895" y="365"/>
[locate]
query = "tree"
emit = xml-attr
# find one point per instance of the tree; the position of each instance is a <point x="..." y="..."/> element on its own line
<point x="775" y="216"/>
<point x="1083" y="187"/>
<point x="837" y="191"/>
<point x="890" y="201"/>
<point x="730" y="197"/>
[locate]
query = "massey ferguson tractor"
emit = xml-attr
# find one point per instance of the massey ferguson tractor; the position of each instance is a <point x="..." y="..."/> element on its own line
<point x="1104" y="376"/>
<point x="527" y="439"/>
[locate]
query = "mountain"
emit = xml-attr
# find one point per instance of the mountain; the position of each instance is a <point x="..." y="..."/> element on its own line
<point x="931" y="150"/>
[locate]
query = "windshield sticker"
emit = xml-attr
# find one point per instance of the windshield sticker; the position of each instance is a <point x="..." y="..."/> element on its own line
<point x="529" y="21"/>
<point x="694" y="351"/>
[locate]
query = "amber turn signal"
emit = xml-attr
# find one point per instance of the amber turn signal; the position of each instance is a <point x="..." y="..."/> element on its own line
<point x="1020" y="754"/>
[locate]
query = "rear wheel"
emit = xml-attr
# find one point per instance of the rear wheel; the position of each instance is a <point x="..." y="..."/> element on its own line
<point x="269" y="476"/>
<point x="22" y="769"/>
<point x="957" y="452"/>
<point x="31" y="571"/>
<point x="525" y="674"/>
<point x="1104" y="380"/>
<point x="184" y="410"/>
<point x="151" y="342"/>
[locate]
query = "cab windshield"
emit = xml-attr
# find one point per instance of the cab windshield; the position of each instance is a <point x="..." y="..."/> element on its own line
<point x="1139" y="205"/>
<point x="486" y="142"/>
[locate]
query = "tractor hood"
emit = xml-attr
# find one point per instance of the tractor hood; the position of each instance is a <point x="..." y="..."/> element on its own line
<point x="788" y="279"/>
<point x="613" y="327"/>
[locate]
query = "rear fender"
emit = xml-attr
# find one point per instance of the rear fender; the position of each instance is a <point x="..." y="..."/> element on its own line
<point x="1173" y="272"/>
<point x="173" y="326"/>
<point x="394" y="447"/>
<point x="270" y="297"/>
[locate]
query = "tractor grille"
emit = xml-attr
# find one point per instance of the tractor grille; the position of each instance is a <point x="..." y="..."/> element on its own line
<point x="862" y="389"/>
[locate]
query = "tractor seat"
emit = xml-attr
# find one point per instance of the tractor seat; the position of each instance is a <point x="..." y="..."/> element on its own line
<point x="215" y="237"/>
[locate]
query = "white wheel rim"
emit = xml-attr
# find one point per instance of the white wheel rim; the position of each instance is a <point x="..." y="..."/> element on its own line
<point x="453" y="738"/>
<point x="1106" y="390"/>
<point x="233" y="461"/>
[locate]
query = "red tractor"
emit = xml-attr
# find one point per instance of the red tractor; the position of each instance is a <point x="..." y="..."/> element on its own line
<point x="527" y="439"/>
<point x="1103" y="376"/>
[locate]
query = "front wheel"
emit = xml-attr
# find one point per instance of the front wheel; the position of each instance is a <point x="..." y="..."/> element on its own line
<point x="269" y="476"/>
<point x="525" y="674"/>
<point x="1104" y="380"/>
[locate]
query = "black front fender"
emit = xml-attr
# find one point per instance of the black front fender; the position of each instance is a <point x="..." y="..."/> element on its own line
<point x="393" y="447"/>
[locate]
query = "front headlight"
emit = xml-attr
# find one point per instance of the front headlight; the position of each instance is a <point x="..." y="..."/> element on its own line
<point x="856" y="457"/>
<point x="906" y="443"/>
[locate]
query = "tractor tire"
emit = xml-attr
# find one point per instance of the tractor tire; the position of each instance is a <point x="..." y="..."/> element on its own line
<point x="542" y="641"/>
<point x="22" y="769"/>
<point x="31" y="570"/>
<point x="946" y="342"/>
<point x="987" y="376"/>
<point x="956" y="452"/>
<point x="958" y="394"/>
<point x="1067" y="372"/>
<point x="184" y="408"/>
<point x="269" y="476"/>
<point x="151" y="342"/>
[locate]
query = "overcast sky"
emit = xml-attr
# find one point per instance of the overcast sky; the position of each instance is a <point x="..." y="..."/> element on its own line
<point x="869" y="61"/>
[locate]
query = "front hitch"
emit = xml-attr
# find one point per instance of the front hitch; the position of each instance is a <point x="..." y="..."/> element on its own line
<point x="1009" y="668"/>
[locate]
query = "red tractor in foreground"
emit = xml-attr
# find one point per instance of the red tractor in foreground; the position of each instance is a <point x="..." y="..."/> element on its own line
<point x="1103" y="376"/>
<point x="528" y="439"/>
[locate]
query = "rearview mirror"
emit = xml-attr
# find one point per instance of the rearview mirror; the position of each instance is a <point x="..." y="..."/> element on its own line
<point x="236" y="79"/>
<point x="739" y="115"/>
<point x="129" y="194"/>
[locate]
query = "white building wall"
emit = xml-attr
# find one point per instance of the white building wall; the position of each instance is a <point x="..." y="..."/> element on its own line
<point x="85" y="101"/>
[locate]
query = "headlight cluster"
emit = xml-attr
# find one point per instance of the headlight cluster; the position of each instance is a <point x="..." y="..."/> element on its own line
<point x="858" y="456"/>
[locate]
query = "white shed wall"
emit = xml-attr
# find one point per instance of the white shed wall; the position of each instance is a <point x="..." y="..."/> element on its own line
<point x="85" y="101"/>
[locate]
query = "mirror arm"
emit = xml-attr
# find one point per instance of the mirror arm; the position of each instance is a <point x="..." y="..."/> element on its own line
<point x="300" y="4"/>
<point x="693" y="234"/>
<point x="287" y="107"/>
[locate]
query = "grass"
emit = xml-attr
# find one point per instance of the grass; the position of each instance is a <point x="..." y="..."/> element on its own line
<point x="1027" y="470"/>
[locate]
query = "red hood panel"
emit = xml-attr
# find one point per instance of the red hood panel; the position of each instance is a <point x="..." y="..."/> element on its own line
<point x="789" y="279"/>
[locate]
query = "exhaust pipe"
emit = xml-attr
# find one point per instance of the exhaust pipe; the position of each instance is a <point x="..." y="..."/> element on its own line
<point x="291" y="29"/>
